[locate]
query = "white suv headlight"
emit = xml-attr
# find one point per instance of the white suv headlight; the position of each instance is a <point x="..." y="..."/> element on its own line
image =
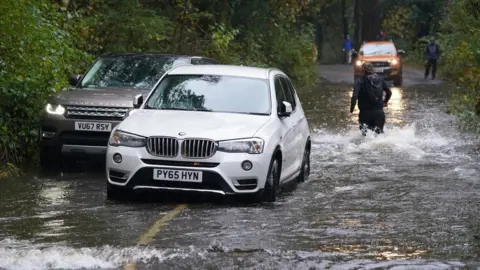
<point x="121" y="138"/>
<point x="55" y="109"/>
<point x="250" y="146"/>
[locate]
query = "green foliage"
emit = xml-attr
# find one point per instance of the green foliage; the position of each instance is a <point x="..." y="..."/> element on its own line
<point x="258" y="33"/>
<point x="461" y="45"/>
<point x="36" y="55"/>
<point x="292" y="51"/>
<point x="398" y="22"/>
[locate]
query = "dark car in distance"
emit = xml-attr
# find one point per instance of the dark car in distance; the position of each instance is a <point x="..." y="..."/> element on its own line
<point x="78" y="121"/>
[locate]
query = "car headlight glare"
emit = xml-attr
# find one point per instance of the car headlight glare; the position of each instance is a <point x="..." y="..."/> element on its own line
<point x="359" y="63"/>
<point x="55" y="109"/>
<point x="394" y="61"/>
<point x="121" y="138"/>
<point x="249" y="146"/>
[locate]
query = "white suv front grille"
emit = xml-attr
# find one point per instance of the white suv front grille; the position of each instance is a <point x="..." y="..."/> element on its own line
<point x="198" y="148"/>
<point x="190" y="148"/>
<point x="162" y="146"/>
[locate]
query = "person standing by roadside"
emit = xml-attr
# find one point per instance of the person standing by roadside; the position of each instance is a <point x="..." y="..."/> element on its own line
<point x="369" y="92"/>
<point x="432" y="54"/>
<point x="347" y="49"/>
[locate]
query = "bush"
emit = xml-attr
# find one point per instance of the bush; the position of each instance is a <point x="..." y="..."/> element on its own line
<point x="461" y="43"/>
<point x="33" y="64"/>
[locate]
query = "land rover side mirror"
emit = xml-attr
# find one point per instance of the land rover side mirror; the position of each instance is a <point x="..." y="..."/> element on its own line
<point x="285" y="109"/>
<point x="74" y="79"/>
<point x="401" y="52"/>
<point x="137" y="101"/>
<point x="361" y="53"/>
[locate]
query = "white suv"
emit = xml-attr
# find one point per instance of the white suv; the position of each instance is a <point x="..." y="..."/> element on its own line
<point x="212" y="128"/>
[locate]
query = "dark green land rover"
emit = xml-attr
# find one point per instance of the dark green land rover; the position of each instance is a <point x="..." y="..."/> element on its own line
<point x="78" y="121"/>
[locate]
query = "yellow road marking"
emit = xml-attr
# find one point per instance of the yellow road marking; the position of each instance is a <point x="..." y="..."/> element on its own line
<point x="130" y="266"/>
<point x="147" y="237"/>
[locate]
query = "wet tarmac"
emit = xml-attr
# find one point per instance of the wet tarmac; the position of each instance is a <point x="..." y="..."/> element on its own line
<point x="409" y="199"/>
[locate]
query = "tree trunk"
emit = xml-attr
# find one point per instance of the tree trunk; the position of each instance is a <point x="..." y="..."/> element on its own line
<point x="225" y="13"/>
<point x="344" y="18"/>
<point x="357" y="15"/>
<point x="182" y="26"/>
<point x="370" y="19"/>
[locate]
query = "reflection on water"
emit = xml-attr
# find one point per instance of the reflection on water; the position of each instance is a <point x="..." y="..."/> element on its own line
<point x="55" y="193"/>
<point x="396" y="108"/>
<point x="330" y="107"/>
<point x="52" y="195"/>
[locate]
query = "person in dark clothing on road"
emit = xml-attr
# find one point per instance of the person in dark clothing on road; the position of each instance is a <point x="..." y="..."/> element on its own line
<point x="369" y="92"/>
<point x="432" y="54"/>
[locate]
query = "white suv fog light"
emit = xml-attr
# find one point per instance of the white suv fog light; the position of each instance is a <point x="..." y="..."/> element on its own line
<point x="247" y="165"/>
<point x="117" y="158"/>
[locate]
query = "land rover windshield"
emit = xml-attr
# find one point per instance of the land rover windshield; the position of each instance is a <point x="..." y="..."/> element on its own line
<point x="137" y="72"/>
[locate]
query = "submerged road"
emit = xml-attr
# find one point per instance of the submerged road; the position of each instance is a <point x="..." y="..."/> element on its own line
<point x="408" y="199"/>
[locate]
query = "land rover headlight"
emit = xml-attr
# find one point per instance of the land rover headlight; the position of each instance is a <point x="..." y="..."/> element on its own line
<point x="359" y="63"/>
<point x="55" y="109"/>
<point x="394" y="61"/>
<point x="121" y="138"/>
<point x="249" y="146"/>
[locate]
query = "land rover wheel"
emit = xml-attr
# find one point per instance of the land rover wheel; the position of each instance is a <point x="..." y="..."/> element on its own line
<point x="49" y="160"/>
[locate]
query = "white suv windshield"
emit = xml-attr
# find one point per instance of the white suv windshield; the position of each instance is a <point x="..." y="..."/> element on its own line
<point x="211" y="93"/>
<point x="140" y="72"/>
<point x="375" y="49"/>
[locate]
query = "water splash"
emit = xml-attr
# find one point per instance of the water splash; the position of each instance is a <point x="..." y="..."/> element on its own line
<point x="407" y="143"/>
<point x="22" y="255"/>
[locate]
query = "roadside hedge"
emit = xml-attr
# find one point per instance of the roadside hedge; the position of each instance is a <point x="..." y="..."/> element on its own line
<point x="36" y="54"/>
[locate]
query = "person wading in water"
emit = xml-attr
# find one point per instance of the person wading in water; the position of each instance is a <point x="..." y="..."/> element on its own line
<point x="369" y="92"/>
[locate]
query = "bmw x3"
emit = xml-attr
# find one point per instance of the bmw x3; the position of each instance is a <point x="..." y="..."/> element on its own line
<point x="213" y="128"/>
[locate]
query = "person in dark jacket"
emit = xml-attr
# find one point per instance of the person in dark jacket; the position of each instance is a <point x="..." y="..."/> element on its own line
<point x="370" y="102"/>
<point x="432" y="54"/>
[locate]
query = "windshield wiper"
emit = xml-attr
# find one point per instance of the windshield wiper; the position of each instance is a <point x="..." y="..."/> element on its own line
<point x="174" y="109"/>
<point x="256" y="113"/>
<point x="183" y="109"/>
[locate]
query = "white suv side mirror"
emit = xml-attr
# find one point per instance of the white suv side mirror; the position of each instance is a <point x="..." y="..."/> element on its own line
<point x="285" y="109"/>
<point x="137" y="101"/>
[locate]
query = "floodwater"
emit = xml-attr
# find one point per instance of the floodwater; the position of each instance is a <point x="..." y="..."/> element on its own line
<point x="409" y="199"/>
